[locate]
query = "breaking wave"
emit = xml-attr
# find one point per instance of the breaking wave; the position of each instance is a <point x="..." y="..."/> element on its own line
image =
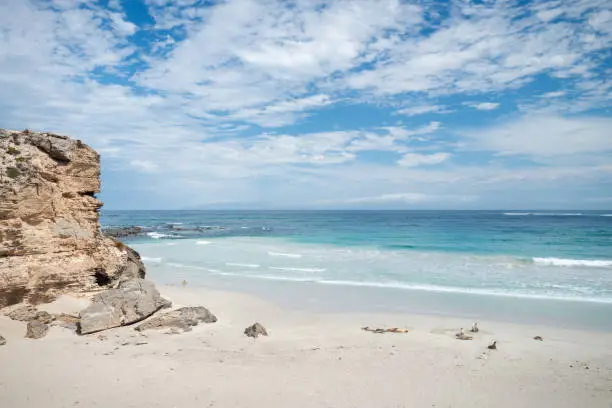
<point x="593" y="263"/>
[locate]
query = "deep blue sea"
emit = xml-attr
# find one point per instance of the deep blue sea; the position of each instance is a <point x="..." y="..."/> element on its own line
<point x="543" y="255"/>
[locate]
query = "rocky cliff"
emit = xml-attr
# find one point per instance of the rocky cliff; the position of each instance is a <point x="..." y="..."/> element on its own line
<point x="50" y="239"/>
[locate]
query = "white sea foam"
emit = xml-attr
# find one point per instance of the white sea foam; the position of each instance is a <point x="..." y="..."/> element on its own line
<point x="286" y="255"/>
<point x="547" y="214"/>
<point x="184" y="266"/>
<point x="559" y="214"/>
<point x="606" y="215"/>
<point x="473" y="291"/>
<point x="149" y="259"/>
<point x="159" y="235"/>
<point x="203" y="242"/>
<point x="267" y="277"/>
<point x="242" y="265"/>
<point x="278" y="268"/>
<point x="422" y="287"/>
<point x="594" y="263"/>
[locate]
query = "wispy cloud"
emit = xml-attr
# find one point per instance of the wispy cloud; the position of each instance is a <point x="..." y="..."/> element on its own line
<point x="422" y="109"/>
<point x="484" y="106"/>
<point x="414" y="159"/>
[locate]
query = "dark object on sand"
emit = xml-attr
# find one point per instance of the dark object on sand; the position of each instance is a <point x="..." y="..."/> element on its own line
<point x="474" y="328"/>
<point x="389" y="330"/>
<point x="36" y="329"/>
<point x="27" y="313"/>
<point x="2" y="341"/>
<point x="493" y="345"/>
<point x="462" y="336"/>
<point x="255" y="330"/>
<point x="538" y="338"/>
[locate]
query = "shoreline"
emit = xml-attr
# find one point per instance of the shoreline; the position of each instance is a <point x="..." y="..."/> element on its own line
<point x="310" y="359"/>
<point x="320" y="298"/>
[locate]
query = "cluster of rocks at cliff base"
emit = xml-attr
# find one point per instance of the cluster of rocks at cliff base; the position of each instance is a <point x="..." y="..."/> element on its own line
<point x="51" y="243"/>
<point x="50" y="239"/>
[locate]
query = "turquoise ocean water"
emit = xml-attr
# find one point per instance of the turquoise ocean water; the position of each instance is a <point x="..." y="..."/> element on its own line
<point x="552" y="266"/>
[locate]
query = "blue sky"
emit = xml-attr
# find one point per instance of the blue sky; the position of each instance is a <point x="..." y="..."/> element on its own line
<point x="322" y="104"/>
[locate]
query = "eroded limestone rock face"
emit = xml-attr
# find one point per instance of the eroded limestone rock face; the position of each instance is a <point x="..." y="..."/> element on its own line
<point x="50" y="239"/>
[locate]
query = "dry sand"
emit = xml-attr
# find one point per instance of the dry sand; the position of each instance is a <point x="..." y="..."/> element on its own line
<point x="309" y="360"/>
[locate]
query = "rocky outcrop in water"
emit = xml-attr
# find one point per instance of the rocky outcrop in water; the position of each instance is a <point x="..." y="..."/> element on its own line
<point x="133" y="301"/>
<point x="50" y="239"/>
<point x="124" y="232"/>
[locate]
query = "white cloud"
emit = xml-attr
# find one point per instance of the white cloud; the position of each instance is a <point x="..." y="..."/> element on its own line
<point x="407" y="198"/>
<point x="544" y="136"/>
<point x="556" y="94"/>
<point x="144" y="165"/>
<point x="489" y="48"/>
<point x="415" y="159"/>
<point x="121" y="26"/>
<point x="423" y="109"/>
<point x="484" y="106"/>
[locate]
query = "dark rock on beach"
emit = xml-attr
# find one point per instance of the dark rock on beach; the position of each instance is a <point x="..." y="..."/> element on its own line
<point x="36" y="329"/>
<point x="184" y="319"/>
<point x="23" y="313"/>
<point x="131" y="302"/>
<point x="2" y="341"/>
<point x="255" y="331"/>
<point x="27" y="313"/>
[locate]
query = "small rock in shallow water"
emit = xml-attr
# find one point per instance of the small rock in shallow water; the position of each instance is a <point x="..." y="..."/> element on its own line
<point x="255" y="330"/>
<point x="36" y="329"/>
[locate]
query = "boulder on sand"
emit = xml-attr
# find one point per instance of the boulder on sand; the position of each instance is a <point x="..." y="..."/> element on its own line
<point x="255" y="330"/>
<point x="36" y="329"/>
<point x="183" y="318"/>
<point x="27" y="313"/>
<point x="132" y="301"/>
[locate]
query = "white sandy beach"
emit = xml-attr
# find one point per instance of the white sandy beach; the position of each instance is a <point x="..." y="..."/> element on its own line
<point x="309" y="360"/>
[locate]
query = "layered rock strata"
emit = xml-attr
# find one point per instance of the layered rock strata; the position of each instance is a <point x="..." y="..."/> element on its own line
<point x="50" y="239"/>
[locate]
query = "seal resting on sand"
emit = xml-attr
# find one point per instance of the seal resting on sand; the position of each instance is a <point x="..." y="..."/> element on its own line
<point x="493" y="345"/>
